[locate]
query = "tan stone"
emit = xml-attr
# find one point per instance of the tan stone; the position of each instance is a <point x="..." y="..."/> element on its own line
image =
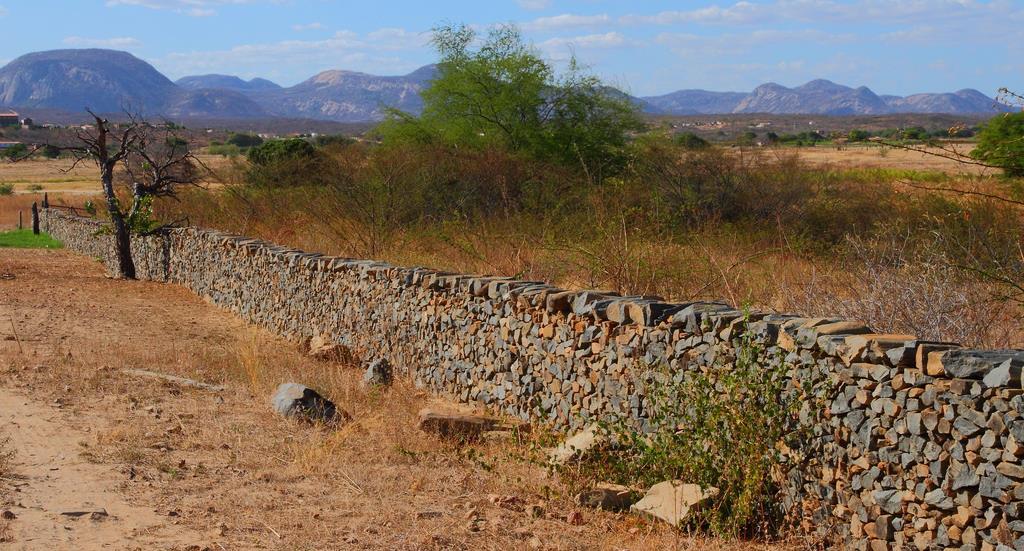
<point x="576" y="445"/>
<point x="672" y="500"/>
<point x="453" y="424"/>
<point x="843" y="328"/>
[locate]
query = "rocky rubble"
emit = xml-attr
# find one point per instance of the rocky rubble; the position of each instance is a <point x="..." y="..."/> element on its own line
<point x="912" y="444"/>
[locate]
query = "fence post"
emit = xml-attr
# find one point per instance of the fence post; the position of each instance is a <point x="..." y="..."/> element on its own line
<point x="35" y="218"/>
<point x="20" y="224"/>
<point x="46" y="200"/>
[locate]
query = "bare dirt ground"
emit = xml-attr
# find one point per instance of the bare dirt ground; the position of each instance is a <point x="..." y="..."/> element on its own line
<point x="184" y="468"/>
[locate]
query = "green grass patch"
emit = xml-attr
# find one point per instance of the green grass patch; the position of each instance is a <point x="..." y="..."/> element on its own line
<point x="25" y="239"/>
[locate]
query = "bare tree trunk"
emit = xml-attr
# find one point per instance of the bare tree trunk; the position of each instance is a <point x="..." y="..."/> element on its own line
<point x="122" y="239"/>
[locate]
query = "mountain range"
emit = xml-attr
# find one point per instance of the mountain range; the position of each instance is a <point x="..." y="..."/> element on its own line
<point x="111" y="81"/>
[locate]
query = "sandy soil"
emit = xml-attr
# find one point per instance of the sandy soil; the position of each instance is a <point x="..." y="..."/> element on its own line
<point x="185" y="468"/>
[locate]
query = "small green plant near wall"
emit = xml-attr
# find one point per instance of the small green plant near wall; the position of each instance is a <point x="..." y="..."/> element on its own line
<point x="725" y="427"/>
<point x="6" y="189"/>
<point x="25" y="239"/>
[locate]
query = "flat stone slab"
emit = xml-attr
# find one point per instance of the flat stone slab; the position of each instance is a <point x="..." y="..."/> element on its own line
<point x="450" y="424"/>
<point x="672" y="501"/>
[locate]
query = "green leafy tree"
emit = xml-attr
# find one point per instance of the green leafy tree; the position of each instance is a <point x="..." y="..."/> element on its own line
<point x="1001" y="144"/>
<point x="857" y="135"/>
<point x="50" y="151"/>
<point x="275" y="151"/>
<point x="502" y="93"/>
<point x="285" y="163"/>
<point x="16" y="151"/>
<point x="245" y="140"/>
<point x="689" y="140"/>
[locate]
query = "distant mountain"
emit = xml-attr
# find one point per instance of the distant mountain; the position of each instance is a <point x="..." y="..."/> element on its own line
<point x="103" y="80"/>
<point x="348" y="96"/>
<point x="695" y="102"/>
<point x="226" y="104"/>
<point x="821" y="97"/>
<point x="108" y="81"/>
<point x="226" y="82"/>
<point x="111" y="81"/>
<point x="962" y="101"/>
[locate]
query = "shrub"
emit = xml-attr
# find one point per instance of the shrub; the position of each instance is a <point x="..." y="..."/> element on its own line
<point x="689" y="140"/>
<point x="290" y="162"/>
<point x="723" y="427"/>
<point x="6" y="189"/>
<point x="1001" y="144"/>
<point x="276" y="151"/>
<point x="858" y="135"/>
<point x="51" y="151"/>
<point x="244" y="140"/>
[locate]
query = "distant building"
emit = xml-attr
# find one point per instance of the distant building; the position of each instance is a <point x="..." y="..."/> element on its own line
<point x="9" y="118"/>
<point x="27" y="123"/>
<point x="8" y="145"/>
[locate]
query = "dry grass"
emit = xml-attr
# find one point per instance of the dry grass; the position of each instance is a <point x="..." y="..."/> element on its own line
<point x="61" y="176"/>
<point x="12" y="205"/>
<point x="879" y="156"/>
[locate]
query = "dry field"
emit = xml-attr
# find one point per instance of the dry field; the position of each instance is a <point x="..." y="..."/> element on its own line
<point x="182" y="468"/>
<point x="65" y="184"/>
<point x="61" y="176"/>
<point x="877" y="156"/>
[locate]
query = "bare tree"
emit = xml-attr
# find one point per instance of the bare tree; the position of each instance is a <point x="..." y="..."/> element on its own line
<point x="147" y="160"/>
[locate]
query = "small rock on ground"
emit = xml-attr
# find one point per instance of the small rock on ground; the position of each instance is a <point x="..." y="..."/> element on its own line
<point x="609" y="497"/>
<point x="301" y="402"/>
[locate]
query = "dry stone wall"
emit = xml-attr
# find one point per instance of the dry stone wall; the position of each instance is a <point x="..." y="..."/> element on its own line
<point x="914" y="445"/>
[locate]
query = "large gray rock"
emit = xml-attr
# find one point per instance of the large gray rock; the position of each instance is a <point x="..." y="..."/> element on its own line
<point x="976" y="364"/>
<point x="301" y="402"/>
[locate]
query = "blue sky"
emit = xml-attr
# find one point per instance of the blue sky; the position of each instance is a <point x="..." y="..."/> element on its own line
<point x="646" y="47"/>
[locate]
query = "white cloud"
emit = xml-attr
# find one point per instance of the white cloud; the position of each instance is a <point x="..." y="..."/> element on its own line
<point x="566" y="20"/>
<point x="882" y="11"/>
<point x="118" y="42"/>
<point x="533" y="4"/>
<point x="194" y="8"/>
<point x="690" y="45"/>
<point x="316" y="26"/>
<point x="606" y="40"/>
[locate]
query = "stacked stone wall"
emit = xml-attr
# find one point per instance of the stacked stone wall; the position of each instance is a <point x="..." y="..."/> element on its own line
<point x="914" y="445"/>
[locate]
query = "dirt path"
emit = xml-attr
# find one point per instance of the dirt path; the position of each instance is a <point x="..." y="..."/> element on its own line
<point x="64" y="502"/>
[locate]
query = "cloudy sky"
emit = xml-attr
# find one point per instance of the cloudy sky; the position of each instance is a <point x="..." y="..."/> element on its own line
<point x="647" y="47"/>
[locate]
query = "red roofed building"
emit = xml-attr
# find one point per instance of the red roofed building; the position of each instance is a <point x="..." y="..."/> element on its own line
<point x="9" y="118"/>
